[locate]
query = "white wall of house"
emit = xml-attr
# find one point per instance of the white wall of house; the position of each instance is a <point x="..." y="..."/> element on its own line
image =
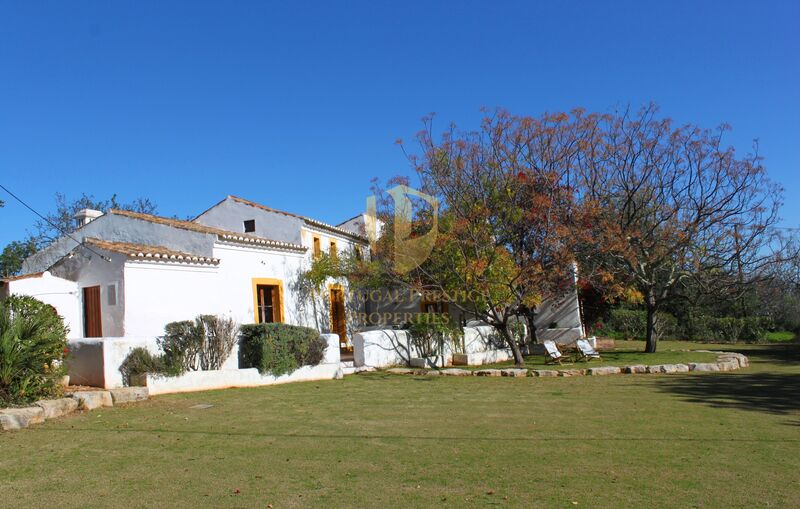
<point x="240" y="264"/>
<point x="88" y="269"/>
<point x="60" y="293"/>
<point x="159" y="293"/>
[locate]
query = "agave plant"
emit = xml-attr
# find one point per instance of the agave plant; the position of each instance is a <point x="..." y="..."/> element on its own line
<point x="33" y="345"/>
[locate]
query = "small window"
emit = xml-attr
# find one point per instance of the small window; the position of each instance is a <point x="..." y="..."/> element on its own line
<point x="269" y="303"/>
<point x="111" y="290"/>
<point x="317" y="247"/>
<point x="332" y="250"/>
<point x="249" y="225"/>
<point x="357" y="250"/>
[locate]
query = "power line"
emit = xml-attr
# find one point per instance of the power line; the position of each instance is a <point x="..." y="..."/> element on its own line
<point x="66" y="233"/>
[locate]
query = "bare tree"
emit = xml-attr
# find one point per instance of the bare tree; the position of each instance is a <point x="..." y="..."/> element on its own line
<point x="672" y="203"/>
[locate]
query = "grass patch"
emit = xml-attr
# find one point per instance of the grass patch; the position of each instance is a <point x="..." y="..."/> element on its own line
<point x="780" y="336"/>
<point x="695" y="440"/>
<point x="626" y="353"/>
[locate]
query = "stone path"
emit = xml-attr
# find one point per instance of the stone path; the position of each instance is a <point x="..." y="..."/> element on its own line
<point x="18" y="418"/>
<point x="726" y="361"/>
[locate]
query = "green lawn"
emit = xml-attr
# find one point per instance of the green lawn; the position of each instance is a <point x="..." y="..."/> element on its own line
<point x="626" y="353"/>
<point x="376" y="440"/>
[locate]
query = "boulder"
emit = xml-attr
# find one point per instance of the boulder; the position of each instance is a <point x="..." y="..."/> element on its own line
<point x="571" y="372"/>
<point x="456" y="372"/>
<point x="515" y="372"/>
<point x="336" y="376"/>
<point x="740" y="360"/>
<point x="544" y="372"/>
<point x="89" y="400"/>
<point x="730" y="365"/>
<point x="57" y="407"/>
<point x="489" y="372"/>
<point x="130" y="394"/>
<point x="703" y="366"/>
<point x="635" y="369"/>
<point x="422" y="362"/>
<point x="18" y="418"/>
<point x="401" y="371"/>
<point x="668" y="368"/>
<point x="603" y="370"/>
<point x="460" y="359"/>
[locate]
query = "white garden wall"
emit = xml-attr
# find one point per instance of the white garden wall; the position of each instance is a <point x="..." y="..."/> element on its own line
<point x="194" y="381"/>
<point x="391" y="347"/>
<point x="95" y="362"/>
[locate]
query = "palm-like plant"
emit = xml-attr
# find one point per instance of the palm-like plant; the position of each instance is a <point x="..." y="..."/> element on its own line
<point x="32" y="349"/>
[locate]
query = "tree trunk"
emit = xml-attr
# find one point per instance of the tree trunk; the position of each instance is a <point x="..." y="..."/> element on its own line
<point x="519" y="360"/>
<point x="652" y="339"/>
<point x="530" y="316"/>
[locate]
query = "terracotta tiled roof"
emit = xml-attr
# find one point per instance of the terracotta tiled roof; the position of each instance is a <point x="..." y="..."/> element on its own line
<point x="307" y="220"/>
<point x="150" y="253"/>
<point x="225" y="235"/>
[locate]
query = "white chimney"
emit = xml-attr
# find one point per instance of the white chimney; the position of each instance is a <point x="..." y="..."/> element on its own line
<point x="86" y="216"/>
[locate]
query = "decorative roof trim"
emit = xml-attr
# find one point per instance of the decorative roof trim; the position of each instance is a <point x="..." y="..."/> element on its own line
<point x="261" y="242"/>
<point x="226" y="235"/>
<point x="150" y="253"/>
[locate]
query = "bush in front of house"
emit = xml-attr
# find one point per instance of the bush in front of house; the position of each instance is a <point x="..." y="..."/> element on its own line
<point x="430" y="331"/>
<point x="33" y="344"/>
<point x="141" y="362"/>
<point x="279" y="348"/>
<point x="200" y="345"/>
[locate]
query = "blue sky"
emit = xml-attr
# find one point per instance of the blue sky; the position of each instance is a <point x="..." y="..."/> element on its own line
<point x="298" y="105"/>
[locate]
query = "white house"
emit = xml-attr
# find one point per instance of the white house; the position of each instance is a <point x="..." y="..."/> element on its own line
<point x="126" y="275"/>
<point x="132" y="273"/>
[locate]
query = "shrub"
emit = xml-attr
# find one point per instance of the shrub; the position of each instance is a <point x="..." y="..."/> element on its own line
<point x="278" y="348"/>
<point x="755" y="328"/>
<point x="429" y="332"/>
<point x="627" y="323"/>
<point x="140" y="362"/>
<point x="33" y="344"/>
<point x="727" y="329"/>
<point x="632" y="324"/>
<point x="204" y="344"/>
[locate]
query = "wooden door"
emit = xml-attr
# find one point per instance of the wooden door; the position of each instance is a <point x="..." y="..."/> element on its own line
<point x="338" y="319"/>
<point x="92" y="316"/>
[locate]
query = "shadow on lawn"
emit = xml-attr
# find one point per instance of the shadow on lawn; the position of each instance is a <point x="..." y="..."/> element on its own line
<point x="775" y="393"/>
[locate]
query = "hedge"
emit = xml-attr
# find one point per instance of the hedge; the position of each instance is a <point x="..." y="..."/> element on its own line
<point x="278" y="348"/>
<point x="632" y="324"/>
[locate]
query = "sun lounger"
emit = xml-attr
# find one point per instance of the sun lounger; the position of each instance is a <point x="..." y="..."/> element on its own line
<point x="552" y="355"/>
<point x="586" y="351"/>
